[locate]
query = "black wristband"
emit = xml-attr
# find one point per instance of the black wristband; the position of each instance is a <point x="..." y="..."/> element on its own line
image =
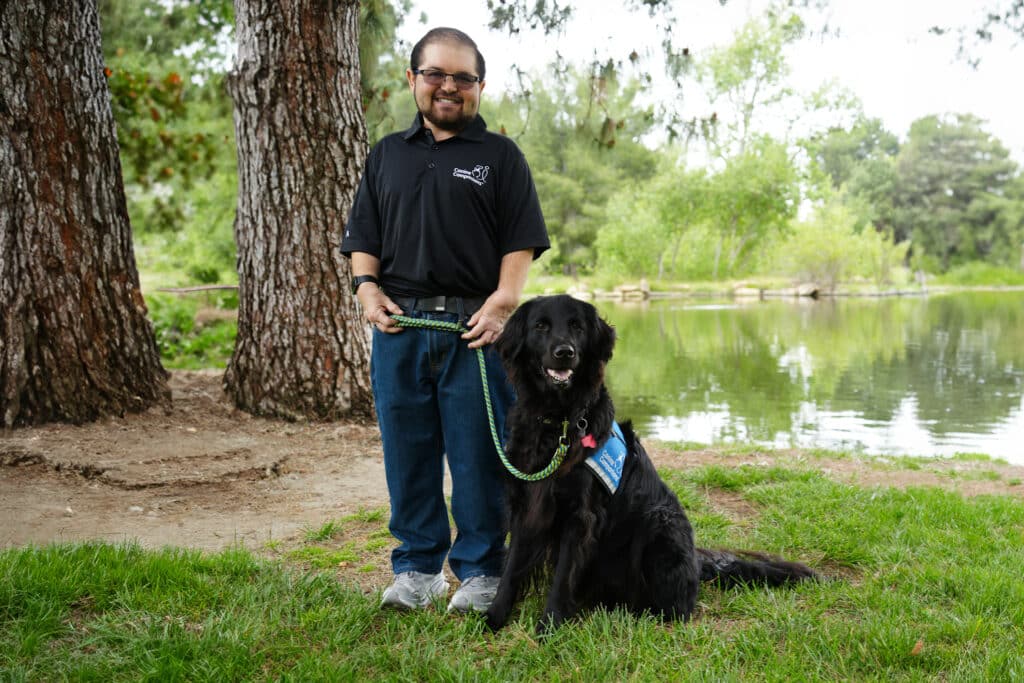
<point x="360" y="279"/>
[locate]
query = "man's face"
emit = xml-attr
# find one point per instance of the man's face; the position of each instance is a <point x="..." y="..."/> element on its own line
<point x="445" y="107"/>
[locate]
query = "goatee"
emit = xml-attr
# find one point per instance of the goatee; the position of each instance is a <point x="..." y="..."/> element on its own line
<point x="451" y="125"/>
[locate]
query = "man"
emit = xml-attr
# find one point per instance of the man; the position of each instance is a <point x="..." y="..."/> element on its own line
<point x="444" y="226"/>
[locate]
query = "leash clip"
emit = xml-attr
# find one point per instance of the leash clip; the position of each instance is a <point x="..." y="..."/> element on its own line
<point x="582" y="425"/>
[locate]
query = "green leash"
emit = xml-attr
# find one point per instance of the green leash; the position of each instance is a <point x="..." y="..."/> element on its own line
<point x="563" y="441"/>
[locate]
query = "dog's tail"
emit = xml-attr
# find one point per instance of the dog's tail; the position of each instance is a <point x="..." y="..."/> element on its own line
<point x="737" y="567"/>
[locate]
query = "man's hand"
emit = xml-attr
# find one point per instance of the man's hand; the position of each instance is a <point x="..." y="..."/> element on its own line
<point x="485" y="325"/>
<point x="378" y="308"/>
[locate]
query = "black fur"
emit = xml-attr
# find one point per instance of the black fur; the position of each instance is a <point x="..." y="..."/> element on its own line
<point x="633" y="549"/>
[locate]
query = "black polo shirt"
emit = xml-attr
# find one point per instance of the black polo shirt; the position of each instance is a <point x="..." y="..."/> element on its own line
<point x="441" y="215"/>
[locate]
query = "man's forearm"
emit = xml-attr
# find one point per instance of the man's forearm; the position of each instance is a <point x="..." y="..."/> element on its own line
<point x="365" y="264"/>
<point x="515" y="267"/>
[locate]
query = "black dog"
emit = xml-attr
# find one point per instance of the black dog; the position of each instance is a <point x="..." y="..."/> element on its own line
<point x="629" y="545"/>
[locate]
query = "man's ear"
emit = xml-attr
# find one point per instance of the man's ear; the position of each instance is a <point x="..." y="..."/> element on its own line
<point x="411" y="77"/>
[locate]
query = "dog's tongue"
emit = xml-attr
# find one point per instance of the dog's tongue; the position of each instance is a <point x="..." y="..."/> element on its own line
<point x="560" y="375"/>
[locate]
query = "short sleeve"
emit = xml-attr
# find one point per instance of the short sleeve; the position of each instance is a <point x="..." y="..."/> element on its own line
<point x="519" y="214"/>
<point x="363" y="229"/>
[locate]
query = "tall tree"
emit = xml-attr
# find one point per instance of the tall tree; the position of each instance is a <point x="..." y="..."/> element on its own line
<point x="581" y="129"/>
<point x="860" y="160"/>
<point x="748" y="76"/>
<point x="950" y="172"/>
<point x="754" y="196"/>
<point x="74" y="339"/>
<point x="302" y="350"/>
<point x="839" y="151"/>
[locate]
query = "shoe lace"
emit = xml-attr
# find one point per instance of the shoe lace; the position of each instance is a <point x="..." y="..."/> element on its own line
<point x="477" y="584"/>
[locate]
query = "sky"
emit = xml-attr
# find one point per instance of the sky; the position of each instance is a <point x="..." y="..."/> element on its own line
<point x="884" y="52"/>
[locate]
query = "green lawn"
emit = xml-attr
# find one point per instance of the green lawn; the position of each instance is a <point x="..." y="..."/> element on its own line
<point x="927" y="585"/>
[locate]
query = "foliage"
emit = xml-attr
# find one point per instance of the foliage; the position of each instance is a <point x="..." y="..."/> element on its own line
<point x="749" y="77"/>
<point x="977" y="273"/>
<point x="166" y="73"/>
<point x="586" y="131"/>
<point x="694" y="225"/>
<point x="582" y="133"/>
<point x="382" y="63"/>
<point x="830" y="248"/>
<point x="166" y="68"/>
<point x="186" y="343"/>
<point x="651" y="227"/>
<point x="634" y="239"/>
<point x="952" y="176"/>
<point x="160" y="152"/>
<point x="512" y="16"/>
<point x="997" y="17"/>
<point x="754" y="196"/>
<point x="840" y="153"/>
<point x="950" y="190"/>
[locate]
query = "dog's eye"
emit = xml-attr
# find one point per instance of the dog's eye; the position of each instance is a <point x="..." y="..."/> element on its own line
<point x="540" y="325"/>
<point x="575" y="326"/>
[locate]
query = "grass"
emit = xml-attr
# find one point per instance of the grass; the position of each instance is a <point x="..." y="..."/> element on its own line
<point x="927" y="586"/>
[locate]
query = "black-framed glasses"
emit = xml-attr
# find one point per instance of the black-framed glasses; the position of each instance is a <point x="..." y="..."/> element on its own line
<point x="437" y="77"/>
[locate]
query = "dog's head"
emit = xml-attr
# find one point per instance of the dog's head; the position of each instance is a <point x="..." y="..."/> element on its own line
<point x="554" y="343"/>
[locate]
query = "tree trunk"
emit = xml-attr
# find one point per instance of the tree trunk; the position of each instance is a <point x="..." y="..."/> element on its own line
<point x="74" y="339"/>
<point x="302" y="349"/>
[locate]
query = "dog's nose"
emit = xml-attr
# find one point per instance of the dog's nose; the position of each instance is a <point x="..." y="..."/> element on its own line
<point x="563" y="351"/>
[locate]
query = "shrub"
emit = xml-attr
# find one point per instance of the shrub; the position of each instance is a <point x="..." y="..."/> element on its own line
<point x="183" y="343"/>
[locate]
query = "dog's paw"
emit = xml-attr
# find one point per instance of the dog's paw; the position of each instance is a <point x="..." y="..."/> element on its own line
<point x="495" y="621"/>
<point x="548" y="624"/>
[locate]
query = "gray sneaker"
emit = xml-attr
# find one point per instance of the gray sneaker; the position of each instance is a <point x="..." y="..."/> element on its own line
<point x="413" y="590"/>
<point x="476" y="593"/>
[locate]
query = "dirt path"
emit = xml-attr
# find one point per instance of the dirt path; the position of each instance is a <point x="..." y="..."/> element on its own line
<point x="205" y="475"/>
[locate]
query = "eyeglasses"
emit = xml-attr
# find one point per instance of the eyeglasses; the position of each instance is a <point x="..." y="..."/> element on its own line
<point x="437" y="77"/>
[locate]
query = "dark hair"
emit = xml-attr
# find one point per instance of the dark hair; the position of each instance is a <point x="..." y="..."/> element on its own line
<point x="443" y="34"/>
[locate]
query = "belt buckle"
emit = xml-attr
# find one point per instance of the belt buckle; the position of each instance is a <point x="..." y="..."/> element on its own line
<point x="439" y="304"/>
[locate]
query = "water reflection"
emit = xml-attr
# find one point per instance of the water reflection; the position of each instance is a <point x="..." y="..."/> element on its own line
<point x="916" y="376"/>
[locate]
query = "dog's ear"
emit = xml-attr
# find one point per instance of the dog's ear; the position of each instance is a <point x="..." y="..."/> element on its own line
<point x="604" y="337"/>
<point x="513" y="336"/>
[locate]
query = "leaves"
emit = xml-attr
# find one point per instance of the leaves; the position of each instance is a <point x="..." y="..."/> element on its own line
<point x="951" y="176"/>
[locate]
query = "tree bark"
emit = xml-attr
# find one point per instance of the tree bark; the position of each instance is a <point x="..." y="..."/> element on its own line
<point x="75" y="343"/>
<point x="302" y="349"/>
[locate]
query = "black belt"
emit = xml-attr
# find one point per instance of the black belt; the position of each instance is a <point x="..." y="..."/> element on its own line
<point x="460" y="305"/>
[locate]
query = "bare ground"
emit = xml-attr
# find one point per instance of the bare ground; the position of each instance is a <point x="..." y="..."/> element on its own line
<point x="205" y="475"/>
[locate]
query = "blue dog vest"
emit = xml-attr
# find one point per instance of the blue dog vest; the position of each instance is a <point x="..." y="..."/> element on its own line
<point x="608" y="459"/>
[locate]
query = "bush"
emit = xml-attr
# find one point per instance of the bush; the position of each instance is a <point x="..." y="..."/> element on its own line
<point x="828" y="249"/>
<point x="183" y="343"/>
<point x="978" y="273"/>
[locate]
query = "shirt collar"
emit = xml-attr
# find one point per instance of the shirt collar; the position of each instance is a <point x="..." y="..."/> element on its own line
<point x="474" y="131"/>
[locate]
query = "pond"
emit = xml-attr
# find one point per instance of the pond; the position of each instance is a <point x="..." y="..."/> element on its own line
<point x="928" y="376"/>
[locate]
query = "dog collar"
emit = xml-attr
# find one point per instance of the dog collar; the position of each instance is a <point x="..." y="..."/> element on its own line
<point x="606" y="463"/>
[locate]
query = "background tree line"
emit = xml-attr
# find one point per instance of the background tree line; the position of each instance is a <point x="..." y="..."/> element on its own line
<point x="718" y="199"/>
<point x="227" y="169"/>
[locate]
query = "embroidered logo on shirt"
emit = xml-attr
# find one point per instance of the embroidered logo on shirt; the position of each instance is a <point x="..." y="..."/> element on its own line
<point x="607" y="462"/>
<point x="478" y="175"/>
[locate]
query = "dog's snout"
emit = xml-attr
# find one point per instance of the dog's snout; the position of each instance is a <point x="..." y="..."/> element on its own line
<point x="564" y="351"/>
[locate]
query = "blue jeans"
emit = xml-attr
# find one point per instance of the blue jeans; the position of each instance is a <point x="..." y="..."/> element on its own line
<point x="429" y="400"/>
